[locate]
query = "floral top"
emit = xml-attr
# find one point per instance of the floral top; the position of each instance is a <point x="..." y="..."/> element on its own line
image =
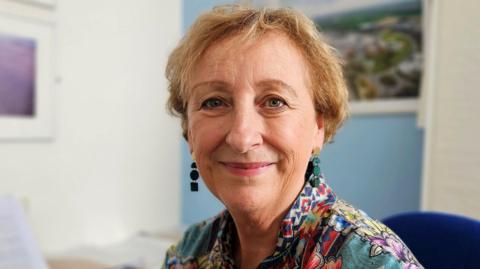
<point x="319" y="231"/>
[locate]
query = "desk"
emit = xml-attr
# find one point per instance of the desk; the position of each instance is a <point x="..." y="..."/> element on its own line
<point x="74" y="264"/>
<point x="144" y="251"/>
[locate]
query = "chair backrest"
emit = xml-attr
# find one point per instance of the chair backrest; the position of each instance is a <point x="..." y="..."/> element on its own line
<point x="439" y="240"/>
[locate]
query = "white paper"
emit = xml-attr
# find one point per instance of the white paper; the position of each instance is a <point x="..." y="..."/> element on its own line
<point x="18" y="249"/>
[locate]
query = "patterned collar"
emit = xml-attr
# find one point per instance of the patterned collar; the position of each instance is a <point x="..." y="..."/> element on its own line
<point x="299" y="222"/>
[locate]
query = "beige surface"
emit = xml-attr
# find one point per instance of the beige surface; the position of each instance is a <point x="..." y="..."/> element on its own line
<point x="74" y="264"/>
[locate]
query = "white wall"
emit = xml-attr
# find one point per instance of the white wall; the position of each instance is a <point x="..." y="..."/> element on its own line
<point x="113" y="167"/>
<point x="452" y="148"/>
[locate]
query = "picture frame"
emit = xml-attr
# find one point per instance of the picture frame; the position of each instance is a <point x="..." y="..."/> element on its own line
<point x="381" y="45"/>
<point x="407" y="105"/>
<point x="38" y="123"/>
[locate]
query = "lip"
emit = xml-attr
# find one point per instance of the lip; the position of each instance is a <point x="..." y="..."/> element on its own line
<point x="247" y="169"/>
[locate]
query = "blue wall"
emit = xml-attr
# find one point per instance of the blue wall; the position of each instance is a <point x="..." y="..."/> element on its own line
<point x="374" y="163"/>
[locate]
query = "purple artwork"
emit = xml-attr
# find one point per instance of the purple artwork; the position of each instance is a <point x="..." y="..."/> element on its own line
<point x="17" y="76"/>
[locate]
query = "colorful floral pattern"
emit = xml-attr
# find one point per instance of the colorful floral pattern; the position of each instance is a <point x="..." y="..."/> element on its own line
<point x="319" y="231"/>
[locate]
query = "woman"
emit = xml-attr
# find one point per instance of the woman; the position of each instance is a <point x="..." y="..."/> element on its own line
<point x="259" y="93"/>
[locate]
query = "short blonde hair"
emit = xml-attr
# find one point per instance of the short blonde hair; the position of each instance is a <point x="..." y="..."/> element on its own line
<point x="327" y="83"/>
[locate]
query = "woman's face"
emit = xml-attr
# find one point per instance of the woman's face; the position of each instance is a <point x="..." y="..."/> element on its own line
<point x="251" y="121"/>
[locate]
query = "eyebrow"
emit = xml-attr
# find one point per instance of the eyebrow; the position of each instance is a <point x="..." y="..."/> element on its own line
<point x="217" y="83"/>
<point x="277" y="83"/>
<point x="264" y="83"/>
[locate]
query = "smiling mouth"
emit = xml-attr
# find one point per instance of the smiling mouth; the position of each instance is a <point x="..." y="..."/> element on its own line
<point x="247" y="165"/>
<point x="247" y="169"/>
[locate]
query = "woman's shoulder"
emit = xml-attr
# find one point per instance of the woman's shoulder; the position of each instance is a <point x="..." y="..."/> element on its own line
<point x="195" y="242"/>
<point x="368" y="241"/>
<point x="345" y="217"/>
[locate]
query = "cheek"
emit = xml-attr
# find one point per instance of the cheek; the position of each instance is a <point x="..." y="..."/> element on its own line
<point x="294" y="139"/>
<point x="205" y="135"/>
<point x="293" y="131"/>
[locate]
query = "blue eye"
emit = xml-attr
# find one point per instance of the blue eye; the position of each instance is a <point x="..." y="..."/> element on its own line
<point x="212" y="103"/>
<point x="275" y="103"/>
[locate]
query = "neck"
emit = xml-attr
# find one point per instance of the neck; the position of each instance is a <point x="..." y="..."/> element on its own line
<point x="258" y="228"/>
<point x="256" y="239"/>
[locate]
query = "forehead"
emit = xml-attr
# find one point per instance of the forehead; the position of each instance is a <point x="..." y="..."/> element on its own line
<point x="243" y="42"/>
<point x="270" y="52"/>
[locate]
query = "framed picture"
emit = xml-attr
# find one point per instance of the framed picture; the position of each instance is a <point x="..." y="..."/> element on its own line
<point x="380" y="43"/>
<point x="26" y="78"/>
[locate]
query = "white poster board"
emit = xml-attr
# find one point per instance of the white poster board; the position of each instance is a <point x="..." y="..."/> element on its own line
<point x="18" y="249"/>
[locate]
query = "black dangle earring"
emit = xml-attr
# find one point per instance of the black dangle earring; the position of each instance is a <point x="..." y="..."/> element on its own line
<point x="309" y="171"/>
<point x="194" y="176"/>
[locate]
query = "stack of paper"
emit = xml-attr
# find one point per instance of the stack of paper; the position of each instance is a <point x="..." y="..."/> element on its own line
<point x="18" y="249"/>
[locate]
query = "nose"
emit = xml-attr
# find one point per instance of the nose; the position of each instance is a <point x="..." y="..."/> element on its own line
<point x="245" y="129"/>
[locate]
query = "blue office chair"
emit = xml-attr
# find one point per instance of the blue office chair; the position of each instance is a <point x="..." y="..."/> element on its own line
<point x="439" y="240"/>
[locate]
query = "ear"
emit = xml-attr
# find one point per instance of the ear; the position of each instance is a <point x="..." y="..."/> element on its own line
<point x="319" y="132"/>
<point x="190" y="144"/>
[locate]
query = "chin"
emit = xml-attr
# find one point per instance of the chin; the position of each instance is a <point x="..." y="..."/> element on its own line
<point x="246" y="198"/>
